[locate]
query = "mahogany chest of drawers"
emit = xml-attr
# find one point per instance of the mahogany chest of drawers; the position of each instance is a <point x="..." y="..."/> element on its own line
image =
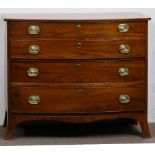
<point x="77" y="68"/>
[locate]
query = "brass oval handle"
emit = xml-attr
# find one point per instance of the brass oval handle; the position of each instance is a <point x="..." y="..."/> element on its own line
<point x="34" y="49"/>
<point x="123" y="71"/>
<point x="124" y="49"/>
<point x="33" y="72"/>
<point x="33" y="30"/>
<point x="34" y="99"/>
<point x="79" y="44"/>
<point x="124" y="99"/>
<point x="123" y="27"/>
<point x="78" y="27"/>
<point x="80" y="92"/>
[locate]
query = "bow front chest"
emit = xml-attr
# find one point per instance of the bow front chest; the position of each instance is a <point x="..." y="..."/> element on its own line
<point x="77" y="68"/>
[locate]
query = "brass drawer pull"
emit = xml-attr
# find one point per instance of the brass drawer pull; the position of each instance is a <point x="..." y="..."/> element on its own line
<point x="123" y="27"/>
<point x="124" y="49"/>
<point x="80" y="92"/>
<point x="33" y="72"/>
<point x="78" y="27"/>
<point x="33" y="29"/>
<point x="123" y="71"/>
<point x="124" y="99"/>
<point x="79" y="44"/>
<point x="34" y="49"/>
<point x="34" y="99"/>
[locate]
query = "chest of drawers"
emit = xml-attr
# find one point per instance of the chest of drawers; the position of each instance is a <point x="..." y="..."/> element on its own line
<point x="77" y="68"/>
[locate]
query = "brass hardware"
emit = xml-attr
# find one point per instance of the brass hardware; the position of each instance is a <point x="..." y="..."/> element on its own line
<point x="80" y="92"/>
<point x="79" y="44"/>
<point x="124" y="99"/>
<point x="123" y="71"/>
<point x="123" y="27"/>
<point x="34" y="49"/>
<point x="78" y="27"/>
<point x="34" y="99"/>
<point x="33" y="29"/>
<point x="124" y="49"/>
<point x="33" y="72"/>
<point x="78" y="66"/>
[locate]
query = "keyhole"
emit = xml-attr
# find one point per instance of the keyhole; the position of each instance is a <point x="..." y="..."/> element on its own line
<point x="79" y="44"/>
<point x="80" y="92"/>
<point x="78" y="66"/>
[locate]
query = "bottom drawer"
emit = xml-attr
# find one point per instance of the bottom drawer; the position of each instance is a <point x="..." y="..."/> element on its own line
<point x="71" y="100"/>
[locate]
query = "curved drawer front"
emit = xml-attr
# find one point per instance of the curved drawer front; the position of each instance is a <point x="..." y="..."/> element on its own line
<point x="46" y="29"/>
<point x="72" y="29"/>
<point x="71" y="49"/>
<point x="78" y="72"/>
<point x="86" y="100"/>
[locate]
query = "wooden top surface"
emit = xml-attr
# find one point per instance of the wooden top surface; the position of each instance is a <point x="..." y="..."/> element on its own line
<point x="77" y="16"/>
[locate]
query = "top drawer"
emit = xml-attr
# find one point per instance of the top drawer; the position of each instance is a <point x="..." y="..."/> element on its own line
<point x="76" y="29"/>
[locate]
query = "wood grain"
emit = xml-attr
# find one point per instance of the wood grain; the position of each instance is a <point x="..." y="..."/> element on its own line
<point x="90" y="100"/>
<point x="68" y="29"/>
<point x="78" y="72"/>
<point x="68" y="48"/>
<point x="140" y="117"/>
<point x="77" y="84"/>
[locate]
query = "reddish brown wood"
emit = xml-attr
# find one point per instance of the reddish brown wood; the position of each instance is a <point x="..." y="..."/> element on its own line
<point x="137" y="116"/>
<point x="85" y="100"/>
<point x="61" y="80"/>
<point x="78" y="72"/>
<point x="69" y="29"/>
<point x="68" y="48"/>
<point x="75" y="85"/>
<point x="144" y="126"/>
<point x="11" y="126"/>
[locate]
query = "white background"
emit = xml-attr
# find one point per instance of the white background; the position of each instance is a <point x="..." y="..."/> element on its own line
<point x="148" y="12"/>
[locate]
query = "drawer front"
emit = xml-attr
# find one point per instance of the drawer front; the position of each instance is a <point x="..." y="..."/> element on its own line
<point x="86" y="100"/>
<point x="72" y="29"/>
<point x="112" y="29"/>
<point x="78" y="71"/>
<point x="71" y="49"/>
<point x="45" y="29"/>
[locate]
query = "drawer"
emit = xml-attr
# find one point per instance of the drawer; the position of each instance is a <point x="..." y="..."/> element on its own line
<point x="83" y="48"/>
<point x="72" y="29"/>
<point x="86" y="100"/>
<point x="112" y="28"/>
<point x="78" y="71"/>
<point x="42" y="29"/>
